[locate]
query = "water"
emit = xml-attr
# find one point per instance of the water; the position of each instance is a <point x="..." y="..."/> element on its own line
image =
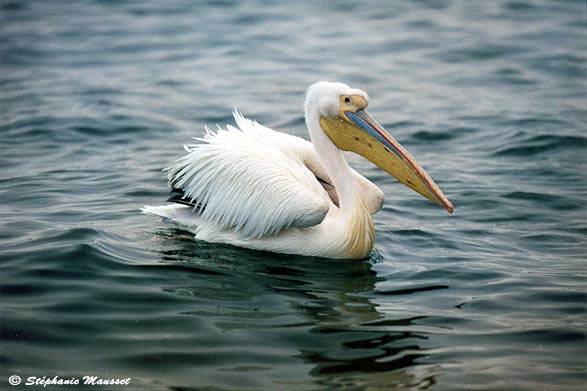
<point x="97" y="97"/>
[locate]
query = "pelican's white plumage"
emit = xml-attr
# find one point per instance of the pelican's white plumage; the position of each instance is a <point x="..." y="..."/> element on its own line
<point x="252" y="180"/>
<point x="257" y="188"/>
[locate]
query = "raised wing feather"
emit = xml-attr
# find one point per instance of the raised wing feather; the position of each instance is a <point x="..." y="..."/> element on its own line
<point x="249" y="180"/>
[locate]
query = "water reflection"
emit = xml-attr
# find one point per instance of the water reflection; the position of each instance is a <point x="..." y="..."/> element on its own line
<point x="326" y="310"/>
<point x="372" y="357"/>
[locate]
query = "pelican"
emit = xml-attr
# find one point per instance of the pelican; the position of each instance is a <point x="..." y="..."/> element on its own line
<point x="260" y="189"/>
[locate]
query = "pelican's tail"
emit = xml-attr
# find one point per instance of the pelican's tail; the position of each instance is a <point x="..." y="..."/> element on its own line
<point x="181" y="215"/>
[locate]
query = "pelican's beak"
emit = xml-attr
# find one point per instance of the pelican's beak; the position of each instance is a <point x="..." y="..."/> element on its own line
<point x="358" y="132"/>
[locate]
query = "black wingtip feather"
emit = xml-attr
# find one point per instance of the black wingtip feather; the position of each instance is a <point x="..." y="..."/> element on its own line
<point x="178" y="196"/>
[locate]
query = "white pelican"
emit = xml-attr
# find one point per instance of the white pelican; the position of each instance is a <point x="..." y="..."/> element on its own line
<point x="257" y="188"/>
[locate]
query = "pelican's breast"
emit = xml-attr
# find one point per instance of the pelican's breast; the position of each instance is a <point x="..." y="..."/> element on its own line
<point x="360" y="232"/>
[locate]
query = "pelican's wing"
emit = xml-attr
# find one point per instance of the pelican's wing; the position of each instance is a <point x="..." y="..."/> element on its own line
<point x="298" y="148"/>
<point x="249" y="180"/>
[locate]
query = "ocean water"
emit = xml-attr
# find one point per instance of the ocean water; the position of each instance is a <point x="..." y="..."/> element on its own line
<point x="96" y="97"/>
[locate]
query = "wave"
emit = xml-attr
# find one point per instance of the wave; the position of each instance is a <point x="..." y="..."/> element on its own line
<point x="543" y="144"/>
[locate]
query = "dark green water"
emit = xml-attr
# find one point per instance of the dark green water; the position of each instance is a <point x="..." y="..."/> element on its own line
<point x="97" y="97"/>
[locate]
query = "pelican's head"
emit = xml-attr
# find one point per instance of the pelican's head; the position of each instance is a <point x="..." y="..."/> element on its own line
<point x="342" y="116"/>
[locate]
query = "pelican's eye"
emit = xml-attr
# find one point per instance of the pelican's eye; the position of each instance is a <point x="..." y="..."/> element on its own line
<point x="347" y="99"/>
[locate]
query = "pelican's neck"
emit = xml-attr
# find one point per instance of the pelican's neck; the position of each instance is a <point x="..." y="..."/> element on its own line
<point x="358" y="233"/>
<point x="333" y="160"/>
